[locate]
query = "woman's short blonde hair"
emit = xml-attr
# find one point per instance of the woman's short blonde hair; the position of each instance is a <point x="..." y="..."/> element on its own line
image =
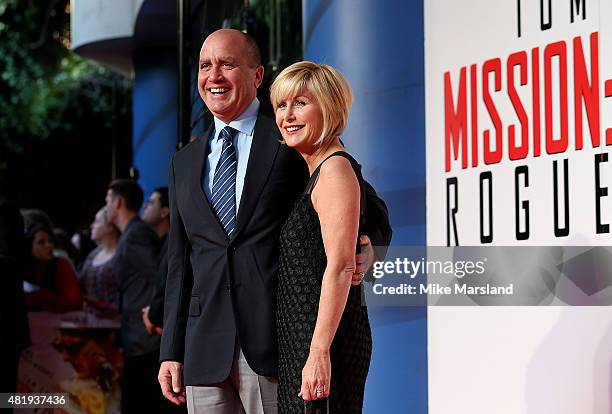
<point x="327" y="86"/>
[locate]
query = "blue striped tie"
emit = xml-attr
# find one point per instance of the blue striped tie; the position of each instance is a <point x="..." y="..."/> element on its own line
<point x="223" y="195"/>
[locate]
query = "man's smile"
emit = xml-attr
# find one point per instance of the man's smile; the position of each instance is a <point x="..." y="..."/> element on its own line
<point x="218" y="91"/>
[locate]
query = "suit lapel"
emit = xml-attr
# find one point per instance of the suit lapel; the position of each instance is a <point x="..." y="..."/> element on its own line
<point x="261" y="159"/>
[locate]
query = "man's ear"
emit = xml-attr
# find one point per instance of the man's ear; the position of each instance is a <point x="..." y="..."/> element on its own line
<point x="259" y="73"/>
<point x="165" y="212"/>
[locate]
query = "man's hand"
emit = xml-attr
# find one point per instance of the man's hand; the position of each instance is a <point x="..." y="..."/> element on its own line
<point x="171" y="381"/>
<point x="363" y="260"/>
<point x="151" y="329"/>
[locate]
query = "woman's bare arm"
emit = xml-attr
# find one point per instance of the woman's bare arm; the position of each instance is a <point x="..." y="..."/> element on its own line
<point x="336" y="199"/>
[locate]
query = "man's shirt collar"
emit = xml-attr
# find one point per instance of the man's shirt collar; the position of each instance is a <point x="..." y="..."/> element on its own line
<point x="245" y="122"/>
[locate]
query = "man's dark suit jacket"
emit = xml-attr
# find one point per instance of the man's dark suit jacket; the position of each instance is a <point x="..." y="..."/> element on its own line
<point x="156" y="308"/>
<point x="220" y="289"/>
<point x="135" y="264"/>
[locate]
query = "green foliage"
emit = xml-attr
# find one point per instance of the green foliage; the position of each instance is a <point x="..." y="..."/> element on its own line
<point x="45" y="88"/>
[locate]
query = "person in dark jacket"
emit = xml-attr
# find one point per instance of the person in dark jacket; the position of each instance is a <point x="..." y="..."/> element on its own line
<point x="13" y="316"/>
<point x="135" y="265"/>
<point x="157" y="215"/>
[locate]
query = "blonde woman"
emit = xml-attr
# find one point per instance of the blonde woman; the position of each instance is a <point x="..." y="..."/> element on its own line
<point x="98" y="282"/>
<point x="323" y="331"/>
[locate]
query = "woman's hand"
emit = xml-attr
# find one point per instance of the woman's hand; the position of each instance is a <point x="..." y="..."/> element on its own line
<point x="316" y="375"/>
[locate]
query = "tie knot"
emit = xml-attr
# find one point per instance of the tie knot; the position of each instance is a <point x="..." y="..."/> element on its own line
<point x="227" y="134"/>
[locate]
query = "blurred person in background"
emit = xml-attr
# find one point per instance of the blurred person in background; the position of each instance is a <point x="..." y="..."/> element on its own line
<point x="135" y="265"/>
<point x="97" y="279"/>
<point x="157" y="215"/>
<point x="52" y="280"/>
<point x="33" y="217"/>
<point x="13" y="318"/>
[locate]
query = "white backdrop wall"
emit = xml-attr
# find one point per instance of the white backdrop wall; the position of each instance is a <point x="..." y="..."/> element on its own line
<point x="508" y="83"/>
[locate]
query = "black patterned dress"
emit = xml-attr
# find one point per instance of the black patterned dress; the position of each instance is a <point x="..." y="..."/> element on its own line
<point x="302" y="264"/>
